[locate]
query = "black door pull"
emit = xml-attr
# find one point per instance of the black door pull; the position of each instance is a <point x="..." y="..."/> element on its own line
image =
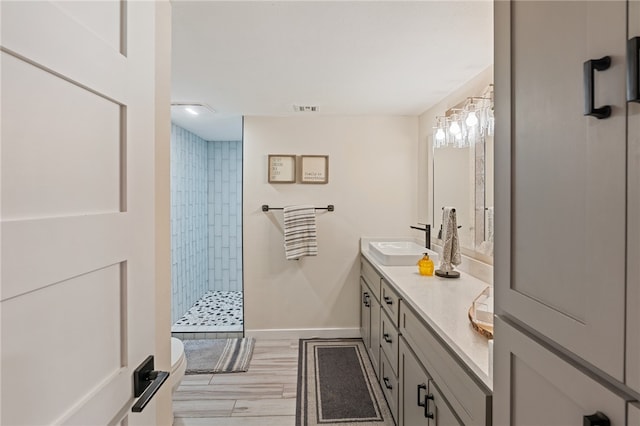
<point x="420" y="388"/>
<point x="589" y="67"/>
<point x="428" y="414"/>
<point x="387" y="383"/>
<point x="633" y="65"/>
<point x="596" y="419"/>
<point x="365" y="299"/>
<point x="146" y="383"/>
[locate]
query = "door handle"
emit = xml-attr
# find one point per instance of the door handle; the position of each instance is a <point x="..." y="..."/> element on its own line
<point x="146" y="383"/>
<point x="365" y="299"/>
<point x="590" y="67"/>
<point x="388" y="300"/>
<point x="428" y="414"/>
<point x="633" y="65"/>
<point x="387" y="338"/>
<point x="387" y="383"/>
<point x="420" y="388"/>
<point x="596" y="419"/>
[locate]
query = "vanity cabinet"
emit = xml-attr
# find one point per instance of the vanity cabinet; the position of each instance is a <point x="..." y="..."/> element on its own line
<point x="469" y="399"/>
<point x="567" y="206"/>
<point x="411" y="354"/>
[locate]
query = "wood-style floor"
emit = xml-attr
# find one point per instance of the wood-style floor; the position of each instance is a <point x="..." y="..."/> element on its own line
<point x="265" y="395"/>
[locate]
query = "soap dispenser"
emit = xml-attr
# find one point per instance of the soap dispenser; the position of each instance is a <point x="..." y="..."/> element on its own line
<point x="425" y="265"/>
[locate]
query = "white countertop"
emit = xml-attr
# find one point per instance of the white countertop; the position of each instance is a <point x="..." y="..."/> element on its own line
<point x="443" y="303"/>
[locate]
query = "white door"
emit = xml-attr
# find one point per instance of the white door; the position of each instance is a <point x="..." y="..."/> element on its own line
<point x="77" y="286"/>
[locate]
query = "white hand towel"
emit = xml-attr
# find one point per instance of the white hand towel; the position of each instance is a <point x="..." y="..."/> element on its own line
<point x="450" y="242"/>
<point x="300" y="232"/>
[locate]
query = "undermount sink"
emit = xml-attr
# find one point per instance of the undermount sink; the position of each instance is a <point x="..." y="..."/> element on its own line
<point x="399" y="253"/>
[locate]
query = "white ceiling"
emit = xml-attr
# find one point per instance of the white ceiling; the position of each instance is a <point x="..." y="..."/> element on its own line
<point x="348" y="58"/>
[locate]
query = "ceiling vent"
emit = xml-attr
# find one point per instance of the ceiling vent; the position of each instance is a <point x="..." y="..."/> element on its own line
<point x="306" y="108"/>
<point x="193" y="108"/>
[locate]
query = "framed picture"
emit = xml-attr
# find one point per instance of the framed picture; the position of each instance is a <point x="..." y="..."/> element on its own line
<point x="314" y="169"/>
<point x="282" y="168"/>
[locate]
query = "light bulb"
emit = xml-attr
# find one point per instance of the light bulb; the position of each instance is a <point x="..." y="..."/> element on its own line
<point x="472" y="119"/>
<point x="455" y="128"/>
<point x="439" y="134"/>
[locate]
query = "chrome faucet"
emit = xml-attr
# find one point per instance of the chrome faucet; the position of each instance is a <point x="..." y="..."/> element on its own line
<point x="427" y="233"/>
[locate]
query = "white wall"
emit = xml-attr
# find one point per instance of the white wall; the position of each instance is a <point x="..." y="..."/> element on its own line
<point x="373" y="164"/>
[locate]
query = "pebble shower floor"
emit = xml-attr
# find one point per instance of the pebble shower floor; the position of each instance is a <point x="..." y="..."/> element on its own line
<point x="216" y="311"/>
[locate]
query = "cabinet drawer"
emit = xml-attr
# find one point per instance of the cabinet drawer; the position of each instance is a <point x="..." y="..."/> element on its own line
<point x="468" y="397"/>
<point x="389" y="340"/>
<point x="390" y="301"/>
<point x="389" y="384"/>
<point x="370" y="276"/>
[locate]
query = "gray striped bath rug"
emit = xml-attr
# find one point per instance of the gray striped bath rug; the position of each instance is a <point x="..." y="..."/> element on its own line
<point x="205" y="356"/>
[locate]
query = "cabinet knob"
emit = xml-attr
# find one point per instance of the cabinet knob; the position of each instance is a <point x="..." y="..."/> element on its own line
<point x="596" y="419"/>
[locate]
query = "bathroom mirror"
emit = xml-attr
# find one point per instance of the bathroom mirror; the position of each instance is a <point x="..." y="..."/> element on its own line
<point x="463" y="178"/>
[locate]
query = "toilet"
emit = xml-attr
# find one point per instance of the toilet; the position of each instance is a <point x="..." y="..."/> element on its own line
<point x="178" y="363"/>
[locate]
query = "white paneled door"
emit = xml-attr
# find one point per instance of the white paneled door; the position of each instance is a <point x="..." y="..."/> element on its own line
<point x="77" y="286"/>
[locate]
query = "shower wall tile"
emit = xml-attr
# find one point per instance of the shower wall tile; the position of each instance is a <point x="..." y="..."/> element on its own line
<point x="225" y="215"/>
<point x="189" y="220"/>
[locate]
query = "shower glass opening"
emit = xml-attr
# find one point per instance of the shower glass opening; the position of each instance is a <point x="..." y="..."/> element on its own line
<point x="206" y="236"/>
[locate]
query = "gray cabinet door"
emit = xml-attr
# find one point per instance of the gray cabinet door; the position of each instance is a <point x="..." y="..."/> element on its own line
<point x="438" y="410"/>
<point x="561" y="176"/>
<point x="420" y="400"/>
<point x="365" y="313"/>
<point x="633" y="224"/>
<point x="533" y="386"/>
<point x="374" y="349"/>
<point x="414" y="382"/>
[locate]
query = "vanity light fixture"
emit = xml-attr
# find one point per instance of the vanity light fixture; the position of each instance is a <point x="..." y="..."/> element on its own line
<point x="463" y="124"/>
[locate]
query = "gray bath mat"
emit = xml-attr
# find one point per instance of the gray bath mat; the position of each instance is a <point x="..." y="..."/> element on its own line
<point x="206" y="356"/>
<point x="337" y="385"/>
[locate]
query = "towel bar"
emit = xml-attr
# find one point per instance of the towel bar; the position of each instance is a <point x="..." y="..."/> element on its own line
<point x="266" y="208"/>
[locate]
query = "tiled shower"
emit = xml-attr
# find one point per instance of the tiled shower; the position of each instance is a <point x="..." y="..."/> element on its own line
<point x="206" y="234"/>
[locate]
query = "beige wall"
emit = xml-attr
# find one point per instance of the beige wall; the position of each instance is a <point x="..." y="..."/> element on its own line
<point x="373" y="164"/>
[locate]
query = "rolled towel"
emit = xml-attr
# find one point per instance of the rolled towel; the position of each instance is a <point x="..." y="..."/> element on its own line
<point x="300" y="232"/>
<point x="450" y="242"/>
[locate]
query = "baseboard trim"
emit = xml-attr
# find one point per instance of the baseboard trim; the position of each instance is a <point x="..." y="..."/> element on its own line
<point x="303" y="333"/>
